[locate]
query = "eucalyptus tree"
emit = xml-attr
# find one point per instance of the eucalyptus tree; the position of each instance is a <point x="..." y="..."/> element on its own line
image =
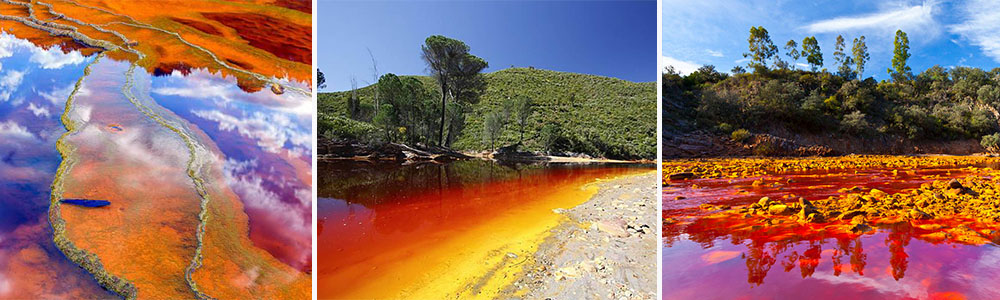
<point x="792" y="50"/>
<point x="901" y="52"/>
<point x="841" y="60"/>
<point x="761" y="48"/>
<point x="812" y="53"/>
<point x="860" y="51"/>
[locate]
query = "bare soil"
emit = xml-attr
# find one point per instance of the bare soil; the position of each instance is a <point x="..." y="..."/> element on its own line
<point x="605" y="250"/>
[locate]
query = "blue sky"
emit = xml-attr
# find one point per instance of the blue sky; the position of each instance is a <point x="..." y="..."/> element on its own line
<point x="946" y="33"/>
<point x="615" y="38"/>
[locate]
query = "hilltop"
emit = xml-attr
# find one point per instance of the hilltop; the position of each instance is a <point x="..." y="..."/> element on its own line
<point x="595" y="115"/>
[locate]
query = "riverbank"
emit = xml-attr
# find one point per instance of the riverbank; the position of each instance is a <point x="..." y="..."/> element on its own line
<point x="601" y="250"/>
<point x="344" y="150"/>
<point x="468" y="236"/>
<point x="782" y="143"/>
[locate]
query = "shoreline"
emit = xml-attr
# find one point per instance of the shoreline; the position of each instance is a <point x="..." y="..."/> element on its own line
<point x="478" y="261"/>
<point x="599" y="246"/>
<point x="540" y="159"/>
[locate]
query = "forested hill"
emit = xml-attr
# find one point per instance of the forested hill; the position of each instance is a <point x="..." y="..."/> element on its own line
<point x="595" y="115"/>
<point x="935" y="106"/>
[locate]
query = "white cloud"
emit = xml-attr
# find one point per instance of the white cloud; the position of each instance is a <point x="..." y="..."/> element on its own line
<point x="271" y="131"/>
<point x="83" y="111"/>
<point x="199" y="89"/>
<point x="223" y="91"/>
<point x="291" y="216"/>
<point x="980" y="26"/>
<point x="54" y="58"/>
<point x="888" y="20"/>
<point x="39" y="111"/>
<point x="9" y="82"/>
<point x="804" y="65"/>
<point x="713" y="53"/>
<point x="12" y="130"/>
<point x="59" y="95"/>
<point x="680" y="66"/>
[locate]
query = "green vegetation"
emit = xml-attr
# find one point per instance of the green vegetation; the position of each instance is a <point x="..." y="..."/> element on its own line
<point x="562" y="112"/>
<point x="739" y="135"/>
<point x="457" y="106"/>
<point x="991" y="142"/>
<point x="457" y="74"/>
<point x="938" y="104"/>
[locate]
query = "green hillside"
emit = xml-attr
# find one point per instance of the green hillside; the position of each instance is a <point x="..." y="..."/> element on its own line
<point x="600" y="116"/>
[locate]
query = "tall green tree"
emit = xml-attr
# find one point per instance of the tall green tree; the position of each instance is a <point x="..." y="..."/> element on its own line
<point x="841" y="60"/>
<point x="761" y="48"/>
<point x="320" y="79"/>
<point x="507" y="110"/>
<point x="524" y="110"/>
<point x="456" y="71"/>
<point x="792" y="50"/>
<point x="900" y="71"/>
<point x="812" y="53"/>
<point x="492" y="128"/>
<point x="386" y="122"/>
<point x="860" y="51"/>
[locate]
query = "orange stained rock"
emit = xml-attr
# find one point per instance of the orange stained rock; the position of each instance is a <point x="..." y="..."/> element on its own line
<point x="44" y="39"/>
<point x="238" y="40"/>
<point x="749" y="167"/>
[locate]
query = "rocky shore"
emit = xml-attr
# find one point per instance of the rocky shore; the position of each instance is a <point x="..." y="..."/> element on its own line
<point x="605" y="250"/>
<point x="705" y="144"/>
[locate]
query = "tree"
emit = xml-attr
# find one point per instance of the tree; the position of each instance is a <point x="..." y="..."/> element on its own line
<point x="353" y="102"/>
<point x="524" y="110"/>
<point x="456" y="71"/>
<point x="900" y="71"/>
<point x="841" y="60"/>
<point x="507" y="108"/>
<point x="492" y="128"/>
<point x="812" y="53"/>
<point x="320" y="79"/>
<point x="551" y="137"/>
<point x="761" y="48"/>
<point x="860" y="51"/>
<point x="375" y="78"/>
<point x="792" y="49"/>
<point x="738" y="70"/>
<point x="385" y="121"/>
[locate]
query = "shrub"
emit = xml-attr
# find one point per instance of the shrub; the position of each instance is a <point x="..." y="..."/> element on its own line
<point x="765" y="148"/>
<point x="855" y="122"/>
<point x="724" y="127"/>
<point x="741" y="135"/>
<point x="991" y="142"/>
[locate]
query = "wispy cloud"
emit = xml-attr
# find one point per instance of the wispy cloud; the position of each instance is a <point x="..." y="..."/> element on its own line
<point x="889" y="19"/>
<point x="980" y="26"/>
<point x="680" y="66"/>
<point x="39" y="111"/>
<point x="713" y="53"/>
